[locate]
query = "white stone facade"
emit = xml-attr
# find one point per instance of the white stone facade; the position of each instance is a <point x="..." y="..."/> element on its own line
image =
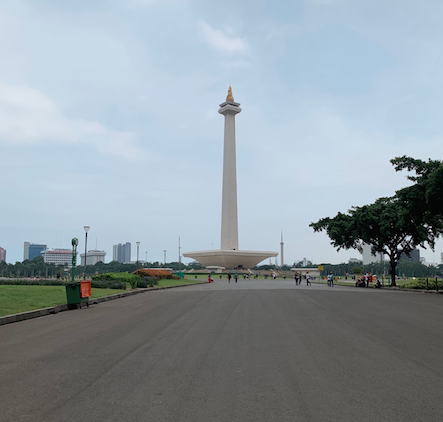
<point x="58" y="257"/>
<point x="92" y="257"/>
<point x="229" y="255"/>
<point x="229" y="226"/>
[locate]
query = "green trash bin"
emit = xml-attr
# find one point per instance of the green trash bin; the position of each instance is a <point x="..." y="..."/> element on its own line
<point x="77" y="293"/>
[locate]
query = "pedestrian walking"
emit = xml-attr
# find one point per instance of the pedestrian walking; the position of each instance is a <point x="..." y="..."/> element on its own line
<point x="308" y="278"/>
<point x="236" y="277"/>
<point x="229" y="278"/>
<point x="295" y="278"/>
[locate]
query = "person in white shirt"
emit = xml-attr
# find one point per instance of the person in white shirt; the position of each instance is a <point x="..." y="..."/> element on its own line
<point x="308" y="278"/>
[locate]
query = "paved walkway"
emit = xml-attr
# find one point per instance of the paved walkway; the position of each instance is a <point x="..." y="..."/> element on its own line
<point x="260" y="284"/>
<point x="255" y="351"/>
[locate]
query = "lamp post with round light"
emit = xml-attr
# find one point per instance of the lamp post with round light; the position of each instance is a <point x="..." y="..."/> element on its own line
<point x="86" y="244"/>
<point x="138" y="248"/>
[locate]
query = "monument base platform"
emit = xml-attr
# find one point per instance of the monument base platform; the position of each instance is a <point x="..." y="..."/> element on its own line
<point x="230" y="259"/>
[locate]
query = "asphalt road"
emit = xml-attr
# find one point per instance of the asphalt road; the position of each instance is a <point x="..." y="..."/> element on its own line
<point x="251" y="351"/>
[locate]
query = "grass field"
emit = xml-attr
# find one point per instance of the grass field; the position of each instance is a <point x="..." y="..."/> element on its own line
<point x="15" y="299"/>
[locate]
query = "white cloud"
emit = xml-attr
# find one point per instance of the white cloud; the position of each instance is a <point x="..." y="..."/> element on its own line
<point x="27" y="116"/>
<point x="139" y="4"/>
<point x="221" y="41"/>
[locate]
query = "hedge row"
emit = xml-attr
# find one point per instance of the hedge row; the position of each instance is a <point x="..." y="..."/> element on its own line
<point x="420" y="283"/>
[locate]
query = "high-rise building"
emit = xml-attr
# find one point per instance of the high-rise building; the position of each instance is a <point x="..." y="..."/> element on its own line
<point x="2" y="254"/>
<point x="31" y="250"/>
<point x="58" y="257"/>
<point x="122" y="253"/>
<point x="367" y="256"/>
<point x="92" y="257"/>
<point x="414" y="256"/>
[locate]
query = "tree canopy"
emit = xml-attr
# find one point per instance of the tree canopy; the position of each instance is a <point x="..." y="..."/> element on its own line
<point x="392" y="225"/>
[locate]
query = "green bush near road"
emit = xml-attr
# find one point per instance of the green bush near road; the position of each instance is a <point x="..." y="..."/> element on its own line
<point x="420" y="283"/>
<point x="120" y="280"/>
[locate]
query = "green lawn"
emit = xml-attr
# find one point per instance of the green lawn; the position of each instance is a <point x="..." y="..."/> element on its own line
<point x="15" y="299"/>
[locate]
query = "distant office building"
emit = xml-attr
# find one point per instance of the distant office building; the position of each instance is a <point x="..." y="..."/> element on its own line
<point x="414" y="256"/>
<point x="2" y="254"/>
<point x="58" y="257"/>
<point x="31" y="250"/>
<point x="92" y="257"/>
<point x="122" y="253"/>
<point x="355" y="261"/>
<point x="368" y="258"/>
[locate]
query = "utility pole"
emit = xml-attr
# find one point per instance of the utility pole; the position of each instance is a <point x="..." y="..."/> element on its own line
<point x="179" y="255"/>
<point x="281" y="251"/>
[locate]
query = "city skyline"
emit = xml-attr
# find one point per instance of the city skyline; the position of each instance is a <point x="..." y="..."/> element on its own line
<point x="107" y="118"/>
<point x="365" y="257"/>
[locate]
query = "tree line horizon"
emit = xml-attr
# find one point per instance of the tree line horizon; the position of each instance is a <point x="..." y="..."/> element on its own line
<point x="38" y="268"/>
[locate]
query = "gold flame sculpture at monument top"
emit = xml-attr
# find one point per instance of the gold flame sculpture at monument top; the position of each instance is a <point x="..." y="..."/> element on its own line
<point x="230" y="98"/>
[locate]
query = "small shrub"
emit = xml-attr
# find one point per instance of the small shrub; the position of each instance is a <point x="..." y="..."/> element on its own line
<point x="122" y="279"/>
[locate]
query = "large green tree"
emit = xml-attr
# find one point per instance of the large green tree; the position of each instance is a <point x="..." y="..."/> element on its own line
<point x="390" y="225"/>
<point x="426" y="193"/>
<point x="411" y="218"/>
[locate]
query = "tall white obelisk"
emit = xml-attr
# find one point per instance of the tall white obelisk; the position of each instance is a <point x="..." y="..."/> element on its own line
<point x="229" y="256"/>
<point x="229" y="226"/>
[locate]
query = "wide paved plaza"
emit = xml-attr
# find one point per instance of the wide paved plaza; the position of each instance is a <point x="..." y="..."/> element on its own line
<point x="252" y="351"/>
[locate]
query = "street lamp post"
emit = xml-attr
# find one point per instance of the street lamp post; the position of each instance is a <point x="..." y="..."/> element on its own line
<point x="74" y="243"/>
<point x="86" y="244"/>
<point x="179" y="255"/>
<point x="138" y="247"/>
<point x="164" y="253"/>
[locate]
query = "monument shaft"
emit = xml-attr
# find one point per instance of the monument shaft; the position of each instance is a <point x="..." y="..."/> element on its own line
<point x="229" y="226"/>
<point x="229" y="256"/>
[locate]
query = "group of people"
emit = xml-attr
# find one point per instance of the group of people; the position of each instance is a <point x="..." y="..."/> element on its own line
<point x="235" y="277"/>
<point x="361" y="282"/>
<point x="298" y="278"/>
<point x="366" y="279"/>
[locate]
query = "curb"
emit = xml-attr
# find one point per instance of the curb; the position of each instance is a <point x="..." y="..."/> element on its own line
<point x="399" y="289"/>
<point x="9" y="319"/>
<point x="391" y="289"/>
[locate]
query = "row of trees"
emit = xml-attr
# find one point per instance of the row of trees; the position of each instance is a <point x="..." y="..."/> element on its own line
<point x="412" y="217"/>
<point x="38" y="268"/>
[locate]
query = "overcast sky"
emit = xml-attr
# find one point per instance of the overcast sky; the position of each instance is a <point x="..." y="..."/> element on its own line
<point x="109" y="118"/>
